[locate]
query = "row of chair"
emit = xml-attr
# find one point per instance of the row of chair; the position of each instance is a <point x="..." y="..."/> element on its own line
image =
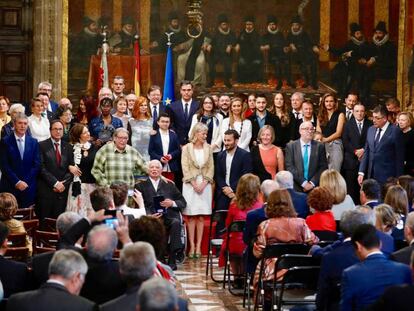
<point x="302" y="270"/>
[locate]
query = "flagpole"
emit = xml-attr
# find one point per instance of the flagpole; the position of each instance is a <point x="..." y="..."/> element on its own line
<point x="137" y="77"/>
<point x="169" y="96"/>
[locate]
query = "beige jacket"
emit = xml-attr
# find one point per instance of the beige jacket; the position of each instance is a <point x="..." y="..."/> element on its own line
<point x="190" y="167"/>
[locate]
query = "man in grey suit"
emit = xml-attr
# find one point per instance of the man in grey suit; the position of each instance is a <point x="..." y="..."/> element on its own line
<point x="306" y="159"/>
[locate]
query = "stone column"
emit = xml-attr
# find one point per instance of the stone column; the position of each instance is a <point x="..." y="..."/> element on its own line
<point x="50" y="37"/>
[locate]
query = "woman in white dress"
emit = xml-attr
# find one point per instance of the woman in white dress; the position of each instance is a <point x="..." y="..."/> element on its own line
<point x="140" y="127"/>
<point x="237" y="121"/>
<point x="198" y="172"/>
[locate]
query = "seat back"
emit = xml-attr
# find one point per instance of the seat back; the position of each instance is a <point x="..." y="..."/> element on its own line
<point x="46" y="239"/>
<point x="301" y="277"/>
<point x="288" y="261"/>
<point x="16" y="240"/>
<point x="278" y="249"/>
<point x="325" y="235"/>
<point x="31" y="226"/>
<point x="49" y="224"/>
<point x="24" y="213"/>
<point x="17" y="253"/>
<point x="218" y="216"/>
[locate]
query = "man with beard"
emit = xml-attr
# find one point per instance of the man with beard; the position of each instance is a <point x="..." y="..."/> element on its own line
<point x="250" y="65"/>
<point x="385" y="53"/>
<point x="303" y="52"/>
<point x="274" y="42"/>
<point x="220" y="49"/>
<point x="123" y="41"/>
<point x="224" y="105"/>
<point x="353" y="66"/>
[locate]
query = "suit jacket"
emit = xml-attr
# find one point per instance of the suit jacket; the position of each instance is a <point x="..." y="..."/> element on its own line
<point x="156" y="152"/>
<point x="40" y="268"/>
<point x="15" y="169"/>
<point x="387" y="158"/>
<point x="49" y="297"/>
<point x="161" y="109"/>
<point x="179" y="124"/>
<point x="103" y="280"/>
<point x="399" y="298"/>
<point x="403" y="255"/>
<point x="332" y="266"/>
<point x="241" y="164"/>
<point x="364" y="282"/>
<point x="294" y="162"/>
<point x="14" y="276"/>
<point x="167" y="189"/>
<point x="270" y="119"/>
<point x="352" y="140"/>
<point x="300" y="203"/>
<point x="50" y="203"/>
<point x="128" y="302"/>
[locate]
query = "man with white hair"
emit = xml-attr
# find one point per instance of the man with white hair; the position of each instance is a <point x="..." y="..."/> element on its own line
<point x="46" y="87"/>
<point x="253" y="220"/>
<point x="164" y="200"/>
<point x="104" y="92"/>
<point x="130" y="98"/>
<point x="8" y="128"/>
<point x="66" y="103"/>
<point x="157" y="295"/>
<point x="118" y="161"/>
<point x="285" y="180"/>
<point x="67" y="272"/>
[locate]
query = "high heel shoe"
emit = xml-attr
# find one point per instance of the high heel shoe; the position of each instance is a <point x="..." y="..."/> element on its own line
<point x="197" y="256"/>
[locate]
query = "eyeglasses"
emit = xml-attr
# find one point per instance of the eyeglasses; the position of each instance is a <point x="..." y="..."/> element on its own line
<point x="121" y="138"/>
<point x="55" y="129"/>
<point x="310" y="129"/>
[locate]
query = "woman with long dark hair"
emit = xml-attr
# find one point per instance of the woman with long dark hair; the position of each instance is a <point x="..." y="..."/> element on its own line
<point x="88" y="109"/>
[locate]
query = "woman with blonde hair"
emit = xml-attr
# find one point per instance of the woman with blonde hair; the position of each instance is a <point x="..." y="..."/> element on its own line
<point x="248" y="197"/>
<point x="405" y="122"/>
<point x="397" y="198"/>
<point x="8" y="208"/>
<point x="335" y="183"/>
<point x="267" y="158"/>
<point x="238" y="122"/>
<point x="140" y="127"/>
<point x="330" y="123"/>
<point x="385" y="218"/>
<point x="198" y="172"/>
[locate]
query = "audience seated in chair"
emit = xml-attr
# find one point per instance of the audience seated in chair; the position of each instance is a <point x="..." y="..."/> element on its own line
<point x="321" y="201"/>
<point x="404" y="255"/>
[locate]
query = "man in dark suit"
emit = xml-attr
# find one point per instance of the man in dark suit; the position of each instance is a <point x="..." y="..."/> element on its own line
<point x="232" y="163"/>
<point x="46" y="87"/>
<point x="299" y="199"/>
<point x="137" y="264"/>
<point x="14" y="275"/>
<point x="67" y="271"/>
<point x="305" y="165"/>
<point x="253" y="220"/>
<point x="364" y="282"/>
<point x="335" y="259"/>
<point x="20" y="163"/>
<point x="353" y="138"/>
<point x="40" y="262"/>
<point x="307" y="114"/>
<point x="173" y="203"/>
<point x="155" y="104"/>
<point x="370" y="193"/>
<point x="261" y="117"/>
<point x="404" y="255"/>
<point x="44" y="98"/>
<point x="384" y="150"/>
<point x="55" y="177"/>
<point x="181" y="111"/>
<point x="348" y="108"/>
<point x="103" y="281"/>
<point x="169" y="158"/>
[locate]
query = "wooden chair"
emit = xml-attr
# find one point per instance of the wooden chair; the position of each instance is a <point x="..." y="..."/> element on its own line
<point x="16" y="240"/>
<point x="44" y="239"/>
<point x="17" y="253"/>
<point x="31" y="226"/>
<point x="49" y="225"/>
<point x="25" y="213"/>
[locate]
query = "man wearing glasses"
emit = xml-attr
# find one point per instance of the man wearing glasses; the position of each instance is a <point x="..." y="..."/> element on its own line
<point x="118" y="162"/>
<point x="306" y="159"/>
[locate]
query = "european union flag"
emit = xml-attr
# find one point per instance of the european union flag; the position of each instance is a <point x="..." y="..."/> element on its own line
<point x="169" y="96"/>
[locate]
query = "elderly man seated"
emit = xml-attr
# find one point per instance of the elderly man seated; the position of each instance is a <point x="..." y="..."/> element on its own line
<point x="164" y="200"/>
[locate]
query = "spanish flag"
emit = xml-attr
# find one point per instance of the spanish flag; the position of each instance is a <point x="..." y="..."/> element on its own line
<point x="137" y="76"/>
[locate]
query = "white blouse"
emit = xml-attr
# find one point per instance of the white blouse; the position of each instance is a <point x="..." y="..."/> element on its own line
<point x="244" y="129"/>
<point x="39" y="128"/>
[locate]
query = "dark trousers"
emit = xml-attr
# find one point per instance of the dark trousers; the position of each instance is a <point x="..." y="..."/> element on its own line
<point x="173" y="225"/>
<point x="352" y="185"/>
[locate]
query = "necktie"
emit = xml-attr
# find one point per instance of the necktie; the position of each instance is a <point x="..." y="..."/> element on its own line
<point x="296" y="115"/>
<point x="360" y="127"/>
<point x="43" y="114"/>
<point x="186" y="111"/>
<point x="306" y="162"/>
<point x="348" y="114"/>
<point x="58" y="156"/>
<point x="154" y="116"/>
<point x="21" y="147"/>
<point x="377" y="137"/>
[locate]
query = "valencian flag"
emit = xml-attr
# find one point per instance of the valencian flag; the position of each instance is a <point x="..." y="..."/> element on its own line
<point x="137" y="77"/>
<point x="169" y="97"/>
<point x="103" y="68"/>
